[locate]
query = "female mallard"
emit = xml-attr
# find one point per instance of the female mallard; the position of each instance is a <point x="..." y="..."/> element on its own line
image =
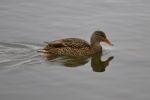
<point x="76" y="47"/>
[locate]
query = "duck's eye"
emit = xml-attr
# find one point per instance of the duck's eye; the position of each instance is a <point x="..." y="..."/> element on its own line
<point x="98" y="34"/>
<point x="101" y="35"/>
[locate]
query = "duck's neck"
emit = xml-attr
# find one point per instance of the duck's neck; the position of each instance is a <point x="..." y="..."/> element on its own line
<point x="96" y="47"/>
<point x="95" y="44"/>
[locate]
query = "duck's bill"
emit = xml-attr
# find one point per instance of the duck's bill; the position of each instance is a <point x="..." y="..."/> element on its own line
<point x="108" y="42"/>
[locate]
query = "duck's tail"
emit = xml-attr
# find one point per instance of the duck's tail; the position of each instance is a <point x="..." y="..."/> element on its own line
<point x="42" y="51"/>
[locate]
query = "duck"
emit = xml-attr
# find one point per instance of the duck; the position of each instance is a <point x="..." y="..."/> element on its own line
<point x="76" y="47"/>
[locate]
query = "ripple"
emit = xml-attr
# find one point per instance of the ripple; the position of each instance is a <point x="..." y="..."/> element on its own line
<point x="13" y="55"/>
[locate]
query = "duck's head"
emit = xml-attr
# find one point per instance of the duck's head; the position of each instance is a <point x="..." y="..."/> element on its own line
<point x="99" y="36"/>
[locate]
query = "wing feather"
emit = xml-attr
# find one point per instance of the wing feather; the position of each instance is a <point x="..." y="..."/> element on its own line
<point x="68" y="42"/>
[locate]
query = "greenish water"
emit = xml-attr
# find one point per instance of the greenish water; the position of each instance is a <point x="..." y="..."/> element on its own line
<point x="26" y="24"/>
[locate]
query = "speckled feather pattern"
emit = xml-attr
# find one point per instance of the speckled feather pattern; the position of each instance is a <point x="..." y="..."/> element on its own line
<point x="69" y="46"/>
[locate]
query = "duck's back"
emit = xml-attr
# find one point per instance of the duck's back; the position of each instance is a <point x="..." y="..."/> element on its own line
<point x="68" y="46"/>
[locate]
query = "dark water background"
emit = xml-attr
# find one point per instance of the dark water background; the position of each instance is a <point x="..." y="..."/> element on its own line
<point x="25" y="24"/>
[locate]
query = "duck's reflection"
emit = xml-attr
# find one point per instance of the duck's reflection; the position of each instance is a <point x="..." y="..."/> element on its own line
<point x="96" y="63"/>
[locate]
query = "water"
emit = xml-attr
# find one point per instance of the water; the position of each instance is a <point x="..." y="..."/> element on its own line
<point x="25" y="24"/>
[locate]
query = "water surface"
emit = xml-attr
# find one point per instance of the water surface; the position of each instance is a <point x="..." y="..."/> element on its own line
<point x="25" y="24"/>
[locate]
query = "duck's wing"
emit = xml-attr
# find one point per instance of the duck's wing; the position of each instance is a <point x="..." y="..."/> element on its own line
<point x="68" y="42"/>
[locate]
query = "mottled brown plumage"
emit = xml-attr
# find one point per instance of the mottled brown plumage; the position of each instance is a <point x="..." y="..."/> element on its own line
<point x="75" y="46"/>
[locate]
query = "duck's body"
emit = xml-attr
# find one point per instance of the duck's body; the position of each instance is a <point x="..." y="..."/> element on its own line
<point x="75" y="46"/>
<point x="69" y="47"/>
